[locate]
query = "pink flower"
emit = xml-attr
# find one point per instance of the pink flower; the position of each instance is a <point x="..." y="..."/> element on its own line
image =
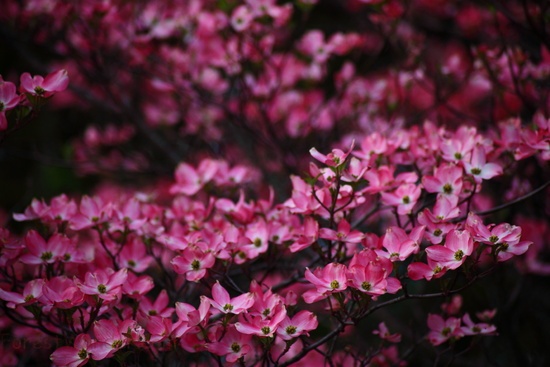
<point x="158" y="307"/>
<point x="8" y="100"/>
<point x="44" y="87"/>
<point x="193" y="263"/>
<point x="299" y="324"/>
<point x="404" y="198"/>
<point x="259" y="325"/>
<point x="343" y="234"/>
<point x="92" y="212"/>
<point x="334" y="159"/>
<point x="443" y="330"/>
<point x="110" y="338"/>
<point x="384" y="334"/>
<point x="418" y="270"/>
<point x="105" y="284"/>
<point x="447" y="180"/>
<point x="241" y="18"/>
<point x="458" y="245"/>
<point x="233" y="345"/>
<point x="62" y="292"/>
<point x="478" y="167"/>
<point x="399" y="245"/>
<point x="75" y="356"/>
<point x="223" y="303"/>
<point x="331" y="279"/>
<point x="58" y="248"/>
<point x="370" y="279"/>
<point x="472" y="328"/>
<point x="31" y="293"/>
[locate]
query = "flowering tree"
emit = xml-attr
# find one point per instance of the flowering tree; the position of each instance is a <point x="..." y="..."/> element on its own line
<point x="274" y="183"/>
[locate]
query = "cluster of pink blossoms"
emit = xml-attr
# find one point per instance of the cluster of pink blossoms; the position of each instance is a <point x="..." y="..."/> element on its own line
<point x="32" y="89"/>
<point x="91" y="276"/>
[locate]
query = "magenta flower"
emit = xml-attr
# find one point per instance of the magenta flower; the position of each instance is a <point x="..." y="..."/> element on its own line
<point x="334" y="159"/>
<point x="370" y="279"/>
<point x="62" y="292"/>
<point x="404" y="198"/>
<point x="343" y="234"/>
<point x="478" y="167"/>
<point x="384" y="334"/>
<point x="233" y="345"/>
<point x="443" y="330"/>
<point x="418" y="270"/>
<point x="105" y="284"/>
<point x="447" y="180"/>
<point x="8" y="100"/>
<point x="44" y="87"/>
<point x="58" y="248"/>
<point x="110" y="338"/>
<point x="458" y="246"/>
<point x="299" y="324"/>
<point x="193" y="263"/>
<point x="225" y="304"/>
<point x="75" y="356"/>
<point x="471" y="328"/>
<point x="259" y="325"/>
<point x="331" y="279"/>
<point x="31" y="293"/>
<point x="399" y="245"/>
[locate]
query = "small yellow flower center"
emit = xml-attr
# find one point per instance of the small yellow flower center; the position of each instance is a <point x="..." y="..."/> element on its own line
<point x="195" y="265"/>
<point x="406" y="199"/>
<point x="235" y="347"/>
<point x="475" y="171"/>
<point x="228" y="307"/>
<point x="266" y="330"/>
<point x="459" y="255"/>
<point x="334" y="284"/>
<point x="116" y="344"/>
<point x="493" y="239"/>
<point x="102" y="288"/>
<point x="438" y="232"/>
<point x="366" y="286"/>
<point x="290" y="329"/>
<point x="82" y="354"/>
<point x="46" y="256"/>
<point x="447" y="188"/>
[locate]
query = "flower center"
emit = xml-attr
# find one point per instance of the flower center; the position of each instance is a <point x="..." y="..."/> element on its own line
<point x="447" y="188"/>
<point x="46" y="256"/>
<point x="476" y="171"/>
<point x="266" y="330"/>
<point x="235" y="347"/>
<point x="116" y="344"/>
<point x="102" y="288"/>
<point x="195" y="265"/>
<point x="459" y="255"/>
<point x="228" y="307"/>
<point x="290" y="329"/>
<point x="406" y="199"/>
<point x="257" y="242"/>
<point x="82" y="354"/>
<point x="366" y="286"/>
<point x="334" y="284"/>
